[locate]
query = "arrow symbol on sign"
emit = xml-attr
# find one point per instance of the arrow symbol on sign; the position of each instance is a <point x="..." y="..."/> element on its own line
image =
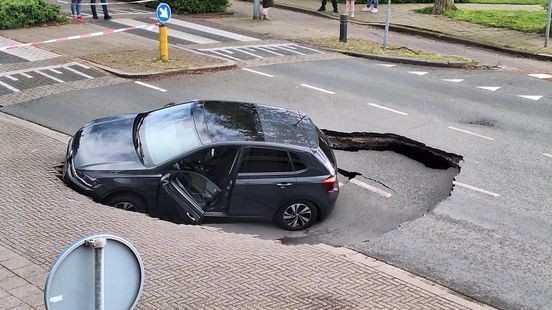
<point x="163" y="13"/>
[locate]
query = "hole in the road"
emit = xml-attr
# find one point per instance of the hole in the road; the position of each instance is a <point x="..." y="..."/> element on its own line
<point x="481" y="122"/>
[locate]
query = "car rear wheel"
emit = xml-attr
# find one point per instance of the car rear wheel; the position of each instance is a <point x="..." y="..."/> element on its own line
<point x="127" y="202"/>
<point x="296" y="215"/>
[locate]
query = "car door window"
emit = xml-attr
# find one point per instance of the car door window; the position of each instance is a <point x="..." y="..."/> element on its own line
<point x="265" y="160"/>
<point x="298" y="164"/>
<point x="197" y="187"/>
<point x="215" y="163"/>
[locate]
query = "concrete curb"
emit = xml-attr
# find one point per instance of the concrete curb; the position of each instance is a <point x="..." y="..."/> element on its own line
<point x="404" y="60"/>
<point x="422" y="32"/>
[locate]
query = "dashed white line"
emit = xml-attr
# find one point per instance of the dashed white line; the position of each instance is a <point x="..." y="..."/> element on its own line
<point x="491" y="88"/>
<point x="318" y="89"/>
<point x="541" y="75"/>
<point x="371" y="188"/>
<point x="453" y="80"/>
<point x="150" y="86"/>
<point x="257" y="72"/>
<point x="386" y="65"/>
<point x="387" y="109"/>
<point x="530" y="97"/>
<point x="470" y="133"/>
<point x="475" y="189"/>
<point x="547" y="155"/>
<point x="15" y="90"/>
<point x="418" y="72"/>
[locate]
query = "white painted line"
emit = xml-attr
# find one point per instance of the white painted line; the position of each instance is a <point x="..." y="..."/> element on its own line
<point x="78" y="72"/>
<point x="305" y="48"/>
<point x="250" y="49"/>
<point x="453" y="80"/>
<point x="290" y="50"/>
<point x="150" y="86"/>
<point x="269" y="51"/>
<point x="530" y="97"/>
<point x="318" y="89"/>
<point x="257" y="72"/>
<point x="491" y="88"/>
<point x="218" y="32"/>
<point x="225" y="56"/>
<point x="26" y="75"/>
<point x="341" y="184"/>
<point x="49" y="76"/>
<point x="61" y="1"/>
<point x="11" y="77"/>
<point x="547" y="155"/>
<point x="476" y="189"/>
<point x="80" y="65"/>
<point x="226" y="51"/>
<point x="172" y="33"/>
<point x="541" y="75"/>
<point x="386" y="65"/>
<point x="470" y="133"/>
<point x="388" y="109"/>
<point x="248" y="53"/>
<point x="418" y="72"/>
<point x="55" y="71"/>
<point x="9" y="87"/>
<point x="371" y="188"/>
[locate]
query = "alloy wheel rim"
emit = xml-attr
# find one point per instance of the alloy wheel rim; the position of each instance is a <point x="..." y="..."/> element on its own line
<point x="125" y="205"/>
<point x="297" y="215"/>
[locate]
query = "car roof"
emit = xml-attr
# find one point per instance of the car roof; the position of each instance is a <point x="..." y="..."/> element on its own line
<point x="225" y="121"/>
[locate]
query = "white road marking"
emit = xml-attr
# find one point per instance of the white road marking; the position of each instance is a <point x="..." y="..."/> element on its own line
<point x="80" y="65"/>
<point x="11" y="78"/>
<point x="224" y="55"/>
<point x="49" y="76"/>
<point x="453" y="80"/>
<point x="318" y="89"/>
<point x="371" y="188"/>
<point x="150" y="86"/>
<point x="226" y="51"/>
<point x="269" y="51"/>
<point x="386" y="65"/>
<point x="388" y="109"/>
<point x="172" y="33"/>
<point x="79" y="73"/>
<point x="470" y="133"/>
<point x="222" y="33"/>
<point x="547" y="155"/>
<point x="285" y="48"/>
<point x="418" y="72"/>
<point x="341" y="184"/>
<point x="530" y="97"/>
<point x="476" y="189"/>
<point x="26" y="75"/>
<point x="248" y="53"/>
<point x="55" y="71"/>
<point x="257" y="72"/>
<point x="9" y="87"/>
<point x="541" y="75"/>
<point x="491" y="88"/>
<point x="61" y="1"/>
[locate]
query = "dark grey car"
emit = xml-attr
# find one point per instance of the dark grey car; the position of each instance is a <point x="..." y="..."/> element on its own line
<point x="207" y="159"/>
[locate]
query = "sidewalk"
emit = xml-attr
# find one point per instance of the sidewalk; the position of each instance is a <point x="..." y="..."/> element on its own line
<point x="185" y="266"/>
<point x="404" y="19"/>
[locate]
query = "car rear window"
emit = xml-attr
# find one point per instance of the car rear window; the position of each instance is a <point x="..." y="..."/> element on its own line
<point x="264" y="160"/>
<point x="298" y="163"/>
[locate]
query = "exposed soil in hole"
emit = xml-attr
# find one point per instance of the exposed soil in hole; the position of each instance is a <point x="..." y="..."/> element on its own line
<point x="370" y="141"/>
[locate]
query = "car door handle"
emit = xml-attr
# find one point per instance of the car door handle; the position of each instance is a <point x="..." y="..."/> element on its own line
<point x="284" y="185"/>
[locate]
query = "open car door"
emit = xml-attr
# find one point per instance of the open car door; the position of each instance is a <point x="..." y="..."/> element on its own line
<point x="185" y="196"/>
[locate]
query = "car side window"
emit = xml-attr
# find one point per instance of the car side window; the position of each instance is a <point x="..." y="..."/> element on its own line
<point x="298" y="163"/>
<point x="265" y="160"/>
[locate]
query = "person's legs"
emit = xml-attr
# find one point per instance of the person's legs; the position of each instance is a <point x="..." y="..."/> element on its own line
<point x="73" y="8"/>
<point x="93" y="8"/>
<point x="323" y="6"/>
<point x="367" y="8"/>
<point x="104" y="8"/>
<point x="334" y="3"/>
<point x="375" y="9"/>
<point x="352" y="7"/>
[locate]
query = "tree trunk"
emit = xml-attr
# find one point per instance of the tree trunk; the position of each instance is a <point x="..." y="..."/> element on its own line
<point x="442" y="5"/>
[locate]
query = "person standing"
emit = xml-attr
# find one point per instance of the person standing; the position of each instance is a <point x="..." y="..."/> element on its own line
<point x="75" y="10"/>
<point x="104" y="8"/>
<point x="267" y="4"/>
<point x="367" y="8"/>
<point x="323" y="6"/>
<point x="350" y="7"/>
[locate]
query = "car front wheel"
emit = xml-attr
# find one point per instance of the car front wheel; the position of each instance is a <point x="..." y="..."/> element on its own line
<point x="127" y="202"/>
<point x="296" y="215"/>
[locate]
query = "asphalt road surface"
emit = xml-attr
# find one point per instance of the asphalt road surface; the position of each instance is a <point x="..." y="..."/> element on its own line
<point x="489" y="239"/>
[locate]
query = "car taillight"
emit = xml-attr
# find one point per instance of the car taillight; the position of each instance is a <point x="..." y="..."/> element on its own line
<point x="330" y="184"/>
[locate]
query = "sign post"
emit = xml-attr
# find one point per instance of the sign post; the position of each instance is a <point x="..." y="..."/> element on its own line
<point x="163" y="15"/>
<point x="547" y="31"/>
<point x="387" y="20"/>
<point x="256" y="8"/>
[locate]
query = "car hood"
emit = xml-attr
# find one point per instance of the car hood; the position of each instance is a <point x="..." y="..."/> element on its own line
<point x="106" y="144"/>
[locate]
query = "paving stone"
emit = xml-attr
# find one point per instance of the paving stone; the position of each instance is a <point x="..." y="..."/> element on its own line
<point x="9" y="302"/>
<point x="16" y="262"/>
<point x="24" y="291"/>
<point x="12" y="282"/>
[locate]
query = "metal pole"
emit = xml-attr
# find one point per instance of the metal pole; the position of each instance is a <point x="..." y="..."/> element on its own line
<point x="98" y="244"/>
<point x="343" y="20"/>
<point x="256" y="8"/>
<point x="163" y="43"/>
<point x="387" y="19"/>
<point x="547" y="31"/>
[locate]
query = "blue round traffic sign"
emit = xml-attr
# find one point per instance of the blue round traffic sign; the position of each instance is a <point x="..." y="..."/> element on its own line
<point x="163" y="13"/>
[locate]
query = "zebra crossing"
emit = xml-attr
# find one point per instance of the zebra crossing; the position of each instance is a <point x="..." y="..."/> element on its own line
<point x="22" y="54"/>
<point x="250" y="52"/>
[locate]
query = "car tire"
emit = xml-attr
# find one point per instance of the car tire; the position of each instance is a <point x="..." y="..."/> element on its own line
<point x="127" y="202"/>
<point x="296" y="215"/>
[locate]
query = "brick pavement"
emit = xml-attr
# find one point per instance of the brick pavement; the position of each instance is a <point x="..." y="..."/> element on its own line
<point x="185" y="266"/>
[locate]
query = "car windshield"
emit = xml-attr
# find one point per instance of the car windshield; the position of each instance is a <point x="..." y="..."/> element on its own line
<point x="166" y="133"/>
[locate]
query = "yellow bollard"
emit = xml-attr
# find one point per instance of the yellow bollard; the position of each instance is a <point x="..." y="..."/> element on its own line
<point x="163" y="43"/>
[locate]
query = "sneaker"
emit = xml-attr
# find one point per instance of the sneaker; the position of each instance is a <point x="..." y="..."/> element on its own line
<point x="321" y="9"/>
<point x="80" y="17"/>
<point x="95" y="16"/>
<point x="108" y="17"/>
<point x="374" y="10"/>
<point x="352" y="15"/>
<point x="366" y="9"/>
<point x="335" y="10"/>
